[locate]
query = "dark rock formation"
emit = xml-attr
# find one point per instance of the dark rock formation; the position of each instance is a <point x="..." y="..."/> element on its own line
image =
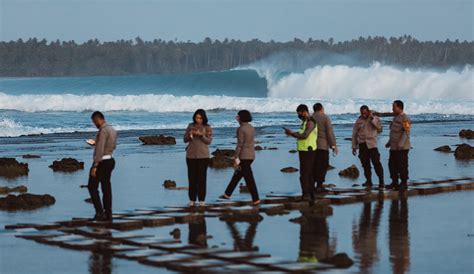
<point x="464" y="152"/>
<point x="11" y="168"/>
<point x="176" y="233"/>
<point x="222" y="158"/>
<point x="19" y="189"/>
<point x="26" y="201"/>
<point x="293" y="151"/>
<point x="169" y="184"/>
<point x="158" y="140"/>
<point x="258" y="148"/>
<point x="466" y="133"/>
<point x="223" y="153"/>
<point x="443" y="149"/>
<point x="289" y="169"/>
<point x="351" y="172"/>
<point x="31" y="156"/>
<point x="340" y="260"/>
<point x="67" y="165"/>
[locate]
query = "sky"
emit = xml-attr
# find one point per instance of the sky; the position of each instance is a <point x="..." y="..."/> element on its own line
<point x="266" y="20"/>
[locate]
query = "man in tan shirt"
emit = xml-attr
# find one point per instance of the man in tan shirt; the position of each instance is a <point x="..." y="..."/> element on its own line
<point x="364" y="138"/>
<point x="399" y="144"/>
<point x="326" y="141"/>
<point x="102" y="167"/>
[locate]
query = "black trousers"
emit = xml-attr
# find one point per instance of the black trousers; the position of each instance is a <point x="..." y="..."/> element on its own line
<point x="321" y="165"/>
<point x="398" y="166"/>
<point x="197" y="177"/>
<point x="366" y="156"/>
<point x="307" y="159"/>
<point x="244" y="170"/>
<point x="103" y="174"/>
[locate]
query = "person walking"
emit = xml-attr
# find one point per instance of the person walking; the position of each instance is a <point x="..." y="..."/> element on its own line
<point x="101" y="170"/>
<point x="325" y="141"/>
<point x="306" y="142"/>
<point x="399" y="144"/>
<point x="243" y="158"/>
<point x="364" y="137"/>
<point x="198" y="136"/>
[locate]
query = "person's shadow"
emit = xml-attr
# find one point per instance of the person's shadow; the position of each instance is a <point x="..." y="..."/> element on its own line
<point x="243" y="243"/>
<point x="364" y="235"/>
<point x="399" y="238"/>
<point x="314" y="239"/>
<point x="198" y="233"/>
<point x="100" y="263"/>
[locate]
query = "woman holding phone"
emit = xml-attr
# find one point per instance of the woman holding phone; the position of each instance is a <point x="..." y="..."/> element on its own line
<point x="198" y="136"/>
<point x="243" y="157"/>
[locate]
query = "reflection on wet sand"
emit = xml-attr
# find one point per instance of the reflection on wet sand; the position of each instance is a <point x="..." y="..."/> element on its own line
<point x="244" y="243"/>
<point x="314" y="239"/>
<point x="364" y="235"/>
<point x="198" y="233"/>
<point x="399" y="238"/>
<point x="100" y="263"/>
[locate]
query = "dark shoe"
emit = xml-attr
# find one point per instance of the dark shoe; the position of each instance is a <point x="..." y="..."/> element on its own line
<point x="381" y="186"/>
<point x="392" y="186"/>
<point x="367" y="184"/>
<point x="224" y="196"/>
<point x="403" y="187"/>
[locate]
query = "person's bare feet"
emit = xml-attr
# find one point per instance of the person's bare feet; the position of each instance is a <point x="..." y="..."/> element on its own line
<point x="256" y="203"/>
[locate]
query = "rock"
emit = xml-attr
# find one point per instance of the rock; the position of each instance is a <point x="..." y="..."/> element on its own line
<point x="20" y="189"/>
<point x="67" y="165"/>
<point x="221" y="162"/>
<point x="258" y="148"/>
<point x="351" y="172"/>
<point x="158" y="140"/>
<point x="464" y="152"/>
<point x="293" y="151"/>
<point x="272" y="148"/>
<point x="169" y="184"/>
<point x="243" y="188"/>
<point x="466" y="133"/>
<point x="223" y="153"/>
<point x="11" y="168"/>
<point x="30" y="156"/>
<point x="176" y="233"/>
<point x="26" y="201"/>
<point x="355" y="185"/>
<point x="340" y="260"/>
<point x="348" y="139"/>
<point x="289" y="169"/>
<point x="383" y="114"/>
<point x="443" y="149"/>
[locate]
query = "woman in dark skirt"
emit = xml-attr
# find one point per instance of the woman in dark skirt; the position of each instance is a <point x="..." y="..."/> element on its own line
<point x="198" y="136"/>
<point x="243" y="157"/>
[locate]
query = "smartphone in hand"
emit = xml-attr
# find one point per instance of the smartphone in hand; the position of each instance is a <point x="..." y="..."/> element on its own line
<point x="90" y="142"/>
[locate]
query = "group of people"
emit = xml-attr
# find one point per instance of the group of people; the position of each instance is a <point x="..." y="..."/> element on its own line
<point x="314" y="139"/>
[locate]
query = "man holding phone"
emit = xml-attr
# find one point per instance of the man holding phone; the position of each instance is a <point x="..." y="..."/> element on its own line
<point x="306" y="138"/>
<point x="101" y="170"/>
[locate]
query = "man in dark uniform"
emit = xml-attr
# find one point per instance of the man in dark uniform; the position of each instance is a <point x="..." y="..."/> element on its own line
<point x="399" y="144"/>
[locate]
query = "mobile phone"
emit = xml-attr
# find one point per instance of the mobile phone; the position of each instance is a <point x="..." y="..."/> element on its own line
<point x="90" y="142"/>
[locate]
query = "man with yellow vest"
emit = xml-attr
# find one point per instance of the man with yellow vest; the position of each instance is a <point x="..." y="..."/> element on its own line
<point x="306" y="139"/>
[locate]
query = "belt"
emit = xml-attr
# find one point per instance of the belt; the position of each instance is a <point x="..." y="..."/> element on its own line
<point x="107" y="157"/>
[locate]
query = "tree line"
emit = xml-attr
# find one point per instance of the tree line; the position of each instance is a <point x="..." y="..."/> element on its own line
<point x="67" y="58"/>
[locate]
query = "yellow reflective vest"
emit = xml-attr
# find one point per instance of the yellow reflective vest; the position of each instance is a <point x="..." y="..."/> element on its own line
<point x="310" y="143"/>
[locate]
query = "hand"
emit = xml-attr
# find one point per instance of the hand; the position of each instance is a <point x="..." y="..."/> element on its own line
<point x="236" y="162"/>
<point x="354" y="151"/>
<point x="288" y="132"/>
<point x="335" y="150"/>
<point x="94" y="172"/>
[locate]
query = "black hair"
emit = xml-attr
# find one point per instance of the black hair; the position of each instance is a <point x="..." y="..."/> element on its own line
<point x="364" y="107"/>
<point x="245" y="116"/>
<point x="201" y="112"/>
<point x="302" y="108"/>
<point x="398" y="103"/>
<point x="317" y="107"/>
<point x="97" y="114"/>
